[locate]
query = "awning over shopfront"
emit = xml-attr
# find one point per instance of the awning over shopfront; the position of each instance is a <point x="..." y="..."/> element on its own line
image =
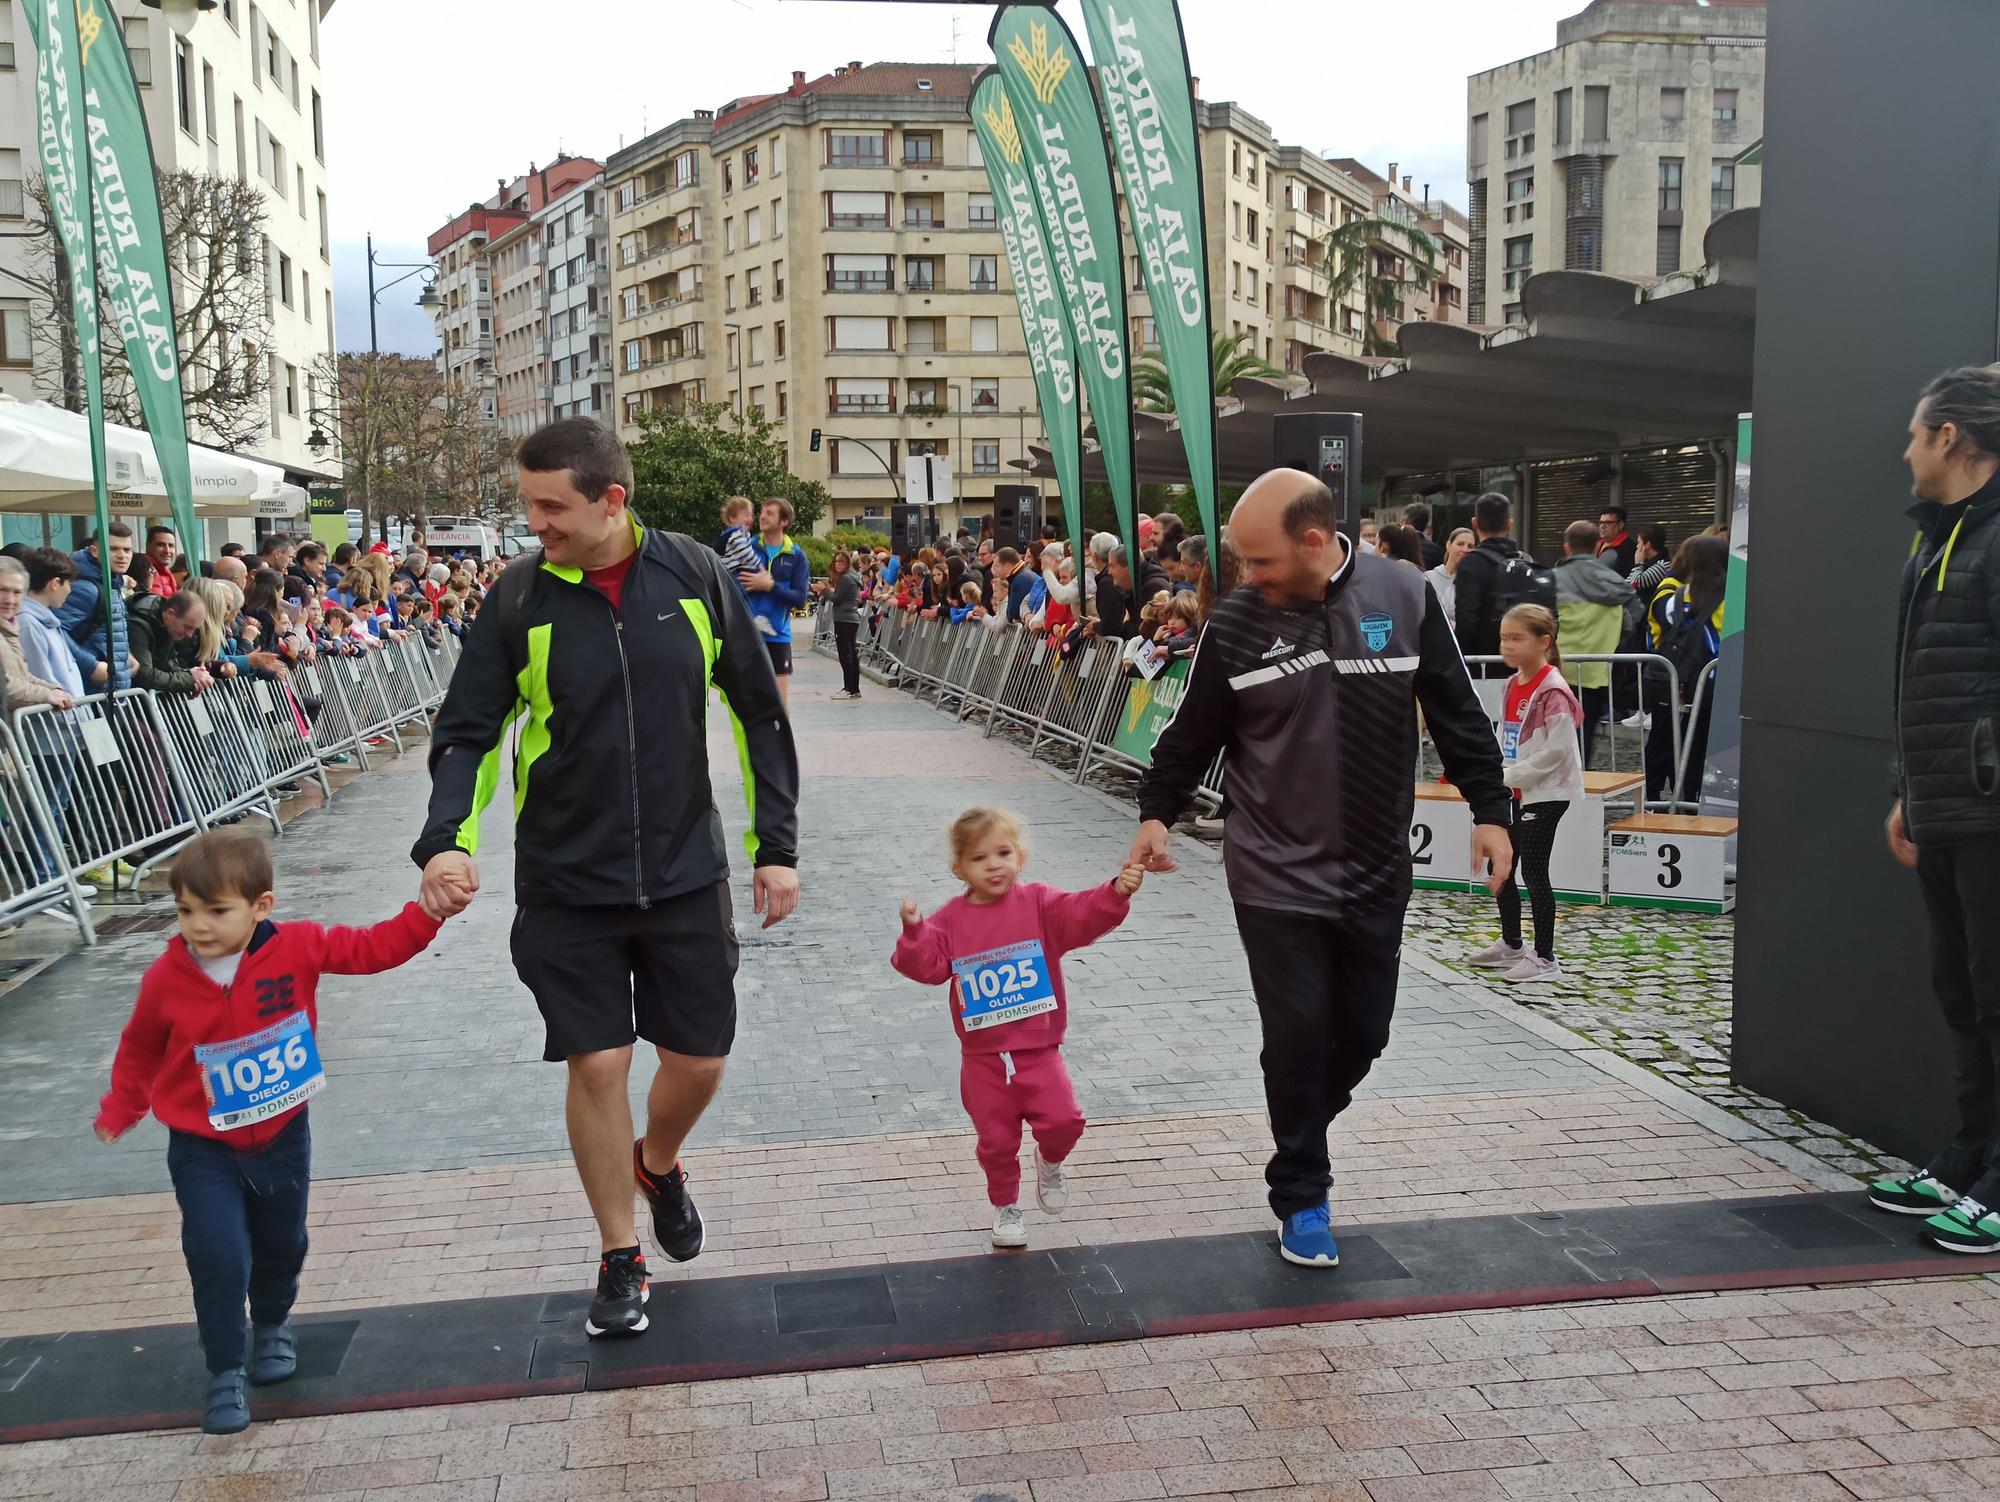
<point x="45" y="467"/>
<point x="1600" y="363"/>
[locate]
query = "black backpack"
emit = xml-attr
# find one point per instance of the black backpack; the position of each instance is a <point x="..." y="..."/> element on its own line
<point x="1522" y="581"/>
<point x="1689" y="642"/>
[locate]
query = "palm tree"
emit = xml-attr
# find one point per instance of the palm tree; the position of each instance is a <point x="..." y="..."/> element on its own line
<point x="1351" y="249"/>
<point x="1229" y="358"/>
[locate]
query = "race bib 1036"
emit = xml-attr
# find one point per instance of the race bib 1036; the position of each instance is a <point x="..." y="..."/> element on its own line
<point x="254" y="1078"/>
<point x="1003" y="985"/>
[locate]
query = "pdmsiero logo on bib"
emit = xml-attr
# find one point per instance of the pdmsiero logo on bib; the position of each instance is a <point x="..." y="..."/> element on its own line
<point x="1375" y="628"/>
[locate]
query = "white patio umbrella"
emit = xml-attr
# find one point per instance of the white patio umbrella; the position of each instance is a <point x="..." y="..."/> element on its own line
<point x="45" y="466"/>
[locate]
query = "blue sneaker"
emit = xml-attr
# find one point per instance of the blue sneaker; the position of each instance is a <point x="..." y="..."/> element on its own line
<point x="1307" y="1238"/>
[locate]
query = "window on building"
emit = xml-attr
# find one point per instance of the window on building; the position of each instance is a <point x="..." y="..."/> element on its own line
<point x="920" y="273"/>
<point x="15" y="332"/>
<point x="777" y="281"/>
<point x="306" y="295"/>
<point x="1667" y="250"/>
<point x="300" y="174"/>
<point x="986" y="393"/>
<point x="1565" y="99"/>
<point x="757" y="346"/>
<point x="687" y="170"/>
<point x="846" y="148"/>
<point x="860" y="396"/>
<point x="273" y="55"/>
<point x="1721" y="188"/>
<point x="1250" y="281"/>
<point x="985" y="456"/>
<point x="985" y="273"/>
<point x="925" y="336"/>
<point x="975" y="154"/>
<point x="753" y="227"/>
<point x="184" y="84"/>
<point x="749" y="165"/>
<point x="1673" y="104"/>
<point x="753" y="286"/>
<point x="1512" y="314"/>
<point x="291" y="389"/>
<point x="860" y="333"/>
<point x="1250" y="225"/>
<point x="1475" y="142"/>
<point x="1520" y="196"/>
<point x="13" y="191"/>
<point x="729" y="234"/>
<point x="777" y="155"/>
<point x="985" y="334"/>
<point x="858" y="273"/>
<point x="632" y="355"/>
<point x="1596" y="112"/>
<point x="1725" y="106"/>
<point x="857" y="211"/>
<point x="979" y="210"/>
<point x="1520" y="262"/>
<point x="325" y="244"/>
<point x="783" y="406"/>
<point x="729" y="294"/>
<point x="777" y="219"/>
<point x="284" y="279"/>
<point x="778" y="352"/>
<point x="1149" y="334"/>
<point x="1521" y="129"/>
<point x="139" y="47"/>
<point x="628" y="194"/>
<point x="1670" y="185"/>
<point x="731" y="349"/>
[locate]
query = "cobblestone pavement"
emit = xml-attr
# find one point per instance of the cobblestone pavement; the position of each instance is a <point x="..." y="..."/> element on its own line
<point x="1652" y="987"/>
<point x="439" y="1064"/>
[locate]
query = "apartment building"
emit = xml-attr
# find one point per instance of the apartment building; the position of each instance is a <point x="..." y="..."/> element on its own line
<point x="463" y="250"/>
<point x="830" y="256"/>
<point x="1615" y="149"/>
<point x="241" y="95"/>
<point x="551" y="291"/>
<point x="1395" y="256"/>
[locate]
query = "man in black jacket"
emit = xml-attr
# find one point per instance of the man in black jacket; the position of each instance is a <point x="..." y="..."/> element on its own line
<point x="1946" y="820"/>
<point x="1310" y="676"/>
<point x="1476" y="616"/>
<point x="1417" y="517"/>
<point x="158" y="628"/>
<point x="608" y="640"/>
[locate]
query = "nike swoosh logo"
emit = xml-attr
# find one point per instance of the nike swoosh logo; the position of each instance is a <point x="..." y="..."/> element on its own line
<point x="669" y="615"/>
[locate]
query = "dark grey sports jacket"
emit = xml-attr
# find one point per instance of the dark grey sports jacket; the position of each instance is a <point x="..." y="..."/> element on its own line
<point x="1318" y="712"/>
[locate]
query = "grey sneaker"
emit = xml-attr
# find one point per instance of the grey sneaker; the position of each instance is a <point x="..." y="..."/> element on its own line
<point x="1499" y="955"/>
<point x="1531" y="970"/>
<point x="1009" y="1229"/>
<point x="1051" y="1193"/>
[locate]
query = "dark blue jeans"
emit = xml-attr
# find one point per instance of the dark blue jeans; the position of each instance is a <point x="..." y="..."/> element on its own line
<point x="243" y="1232"/>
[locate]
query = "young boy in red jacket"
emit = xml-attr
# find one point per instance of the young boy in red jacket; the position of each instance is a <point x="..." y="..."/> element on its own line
<point x="1000" y="947"/>
<point x="221" y="1048"/>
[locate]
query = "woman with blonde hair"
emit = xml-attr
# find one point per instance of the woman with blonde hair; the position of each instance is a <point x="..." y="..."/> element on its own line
<point x="220" y="601"/>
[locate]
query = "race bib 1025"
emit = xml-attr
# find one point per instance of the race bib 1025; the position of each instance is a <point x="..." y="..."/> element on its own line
<point x="1003" y="985"/>
<point x="265" y="1074"/>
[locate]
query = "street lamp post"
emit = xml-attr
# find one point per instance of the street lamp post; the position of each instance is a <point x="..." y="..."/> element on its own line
<point x="428" y="299"/>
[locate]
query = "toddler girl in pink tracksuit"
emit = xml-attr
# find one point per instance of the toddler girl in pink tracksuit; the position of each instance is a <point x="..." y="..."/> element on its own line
<point x="1000" y="946"/>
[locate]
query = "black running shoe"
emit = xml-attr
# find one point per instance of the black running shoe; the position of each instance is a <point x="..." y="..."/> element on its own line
<point x="620" y="1305"/>
<point x="677" y="1229"/>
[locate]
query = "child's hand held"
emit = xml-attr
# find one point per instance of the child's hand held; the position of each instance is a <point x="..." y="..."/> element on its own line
<point x="104" y="1134"/>
<point x="912" y="914"/>
<point x="1129" y="879"/>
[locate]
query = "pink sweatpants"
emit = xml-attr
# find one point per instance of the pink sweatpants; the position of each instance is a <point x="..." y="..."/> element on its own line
<point x="1003" y="1090"/>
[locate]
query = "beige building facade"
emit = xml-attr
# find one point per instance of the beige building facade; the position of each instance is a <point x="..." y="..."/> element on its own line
<point x="829" y="255"/>
<point x="1615" y="149"/>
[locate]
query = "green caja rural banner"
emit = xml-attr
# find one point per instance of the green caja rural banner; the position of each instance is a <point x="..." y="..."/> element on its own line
<point x="1062" y="140"/>
<point x="1037" y="292"/>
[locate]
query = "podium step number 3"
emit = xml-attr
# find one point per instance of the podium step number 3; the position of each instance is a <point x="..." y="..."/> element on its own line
<point x="1671" y="861"/>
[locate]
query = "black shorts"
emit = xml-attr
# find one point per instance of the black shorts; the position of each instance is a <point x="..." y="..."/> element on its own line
<point x="781" y="657"/>
<point x="605" y="975"/>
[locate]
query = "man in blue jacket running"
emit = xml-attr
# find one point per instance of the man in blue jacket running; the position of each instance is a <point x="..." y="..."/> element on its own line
<point x="777" y="589"/>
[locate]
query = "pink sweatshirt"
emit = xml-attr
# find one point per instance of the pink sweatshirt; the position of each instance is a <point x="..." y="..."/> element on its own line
<point x="1008" y="954"/>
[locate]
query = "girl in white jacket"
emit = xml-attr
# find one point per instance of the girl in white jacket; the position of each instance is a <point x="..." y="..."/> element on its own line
<point x="1544" y="767"/>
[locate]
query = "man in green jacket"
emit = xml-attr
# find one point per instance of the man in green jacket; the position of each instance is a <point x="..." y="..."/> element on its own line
<point x="1590" y="615"/>
<point x="157" y="627"/>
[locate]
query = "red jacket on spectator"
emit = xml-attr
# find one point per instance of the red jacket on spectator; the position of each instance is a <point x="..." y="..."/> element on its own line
<point x="180" y="1008"/>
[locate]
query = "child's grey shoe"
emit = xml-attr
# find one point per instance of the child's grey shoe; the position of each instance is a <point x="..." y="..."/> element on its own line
<point x="1009" y="1229"/>
<point x="274" y="1354"/>
<point x="227" y="1410"/>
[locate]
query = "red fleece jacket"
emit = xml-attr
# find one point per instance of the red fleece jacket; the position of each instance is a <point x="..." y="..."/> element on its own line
<point x="963" y="930"/>
<point x="180" y="1008"/>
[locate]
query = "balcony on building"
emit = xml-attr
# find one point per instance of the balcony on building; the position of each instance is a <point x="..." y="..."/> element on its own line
<point x="857" y="148"/>
<point x="922" y="149"/>
<point x="860" y="273"/>
<point x="861" y="396"/>
<point x="923" y="211"/>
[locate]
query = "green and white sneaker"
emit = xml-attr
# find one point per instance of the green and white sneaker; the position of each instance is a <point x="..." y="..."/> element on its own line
<point x="1967" y="1226"/>
<point x="1913" y="1194"/>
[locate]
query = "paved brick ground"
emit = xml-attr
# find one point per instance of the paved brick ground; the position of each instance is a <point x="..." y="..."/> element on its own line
<point x="1798" y="1395"/>
<point x="1879" y="1391"/>
<point x="516" y="1228"/>
<point x="439" y="1064"/>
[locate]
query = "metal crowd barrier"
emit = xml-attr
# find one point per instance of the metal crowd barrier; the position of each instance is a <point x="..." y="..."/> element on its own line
<point x="135" y="775"/>
<point x="1014" y="679"/>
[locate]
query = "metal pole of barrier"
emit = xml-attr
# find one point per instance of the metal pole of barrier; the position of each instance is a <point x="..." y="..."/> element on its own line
<point x="1684" y="743"/>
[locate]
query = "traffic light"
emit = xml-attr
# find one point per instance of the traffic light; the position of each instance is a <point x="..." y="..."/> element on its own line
<point x="815" y="441"/>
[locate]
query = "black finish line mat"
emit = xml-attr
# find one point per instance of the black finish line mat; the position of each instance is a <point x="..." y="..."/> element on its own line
<point x="470" y="1350"/>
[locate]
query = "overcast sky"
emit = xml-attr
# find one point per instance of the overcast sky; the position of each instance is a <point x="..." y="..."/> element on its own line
<point x="429" y="103"/>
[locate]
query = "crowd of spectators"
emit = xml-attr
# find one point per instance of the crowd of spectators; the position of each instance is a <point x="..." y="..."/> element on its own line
<point x="177" y="625"/>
